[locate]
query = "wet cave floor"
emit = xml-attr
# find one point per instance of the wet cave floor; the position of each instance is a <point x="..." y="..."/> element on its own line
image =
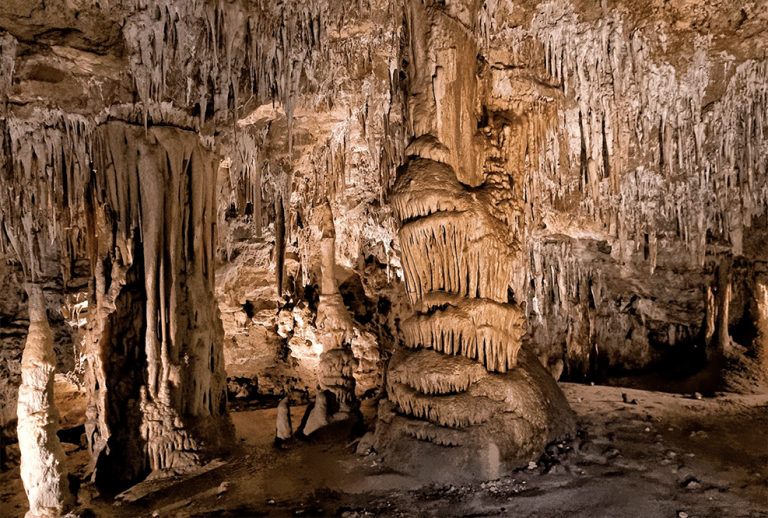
<point x="638" y="453"/>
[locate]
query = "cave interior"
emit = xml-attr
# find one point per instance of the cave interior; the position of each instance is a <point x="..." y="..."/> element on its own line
<point x="434" y="258"/>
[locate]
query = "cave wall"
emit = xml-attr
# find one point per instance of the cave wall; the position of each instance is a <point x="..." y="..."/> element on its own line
<point x="640" y="128"/>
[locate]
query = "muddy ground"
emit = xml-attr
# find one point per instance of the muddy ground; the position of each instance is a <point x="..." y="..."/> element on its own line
<point x="638" y="453"/>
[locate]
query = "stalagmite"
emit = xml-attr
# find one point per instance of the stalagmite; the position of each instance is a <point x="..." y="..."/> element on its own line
<point x="42" y="457"/>
<point x="336" y="400"/>
<point x="723" y="300"/>
<point x="760" y="316"/>
<point x="284" y="430"/>
<point x="337" y="363"/>
<point x="320" y="415"/>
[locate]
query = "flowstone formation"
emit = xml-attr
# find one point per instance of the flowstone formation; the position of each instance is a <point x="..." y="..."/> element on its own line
<point x="465" y="397"/>
<point x="139" y="204"/>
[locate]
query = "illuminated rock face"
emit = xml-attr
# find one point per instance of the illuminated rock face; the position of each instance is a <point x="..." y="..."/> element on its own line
<point x="465" y="393"/>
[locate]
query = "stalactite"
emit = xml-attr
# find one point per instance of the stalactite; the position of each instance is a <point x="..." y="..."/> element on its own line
<point x="280" y="237"/>
<point x="621" y="92"/>
<point x="8" y="45"/>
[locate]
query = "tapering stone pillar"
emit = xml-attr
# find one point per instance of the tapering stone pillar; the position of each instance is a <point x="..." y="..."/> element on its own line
<point x="761" y="321"/>
<point x="42" y="457"/>
<point x="336" y="400"/>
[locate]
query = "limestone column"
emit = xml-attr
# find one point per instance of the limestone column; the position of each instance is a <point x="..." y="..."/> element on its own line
<point x="465" y="399"/>
<point x="42" y="457"/>
<point x="157" y="382"/>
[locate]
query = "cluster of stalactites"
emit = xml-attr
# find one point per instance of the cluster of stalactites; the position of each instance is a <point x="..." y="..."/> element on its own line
<point x="477" y="328"/>
<point x="336" y="374"/>
<point x="449" y="240"/>
<point x="424" y="430"/>
<point x="467" y="396"/>
<point x="200" y="41"/>
<point x="445" y="253"/>
<point x="44" y="172"/>
<point x="230" y="51"/>
<point x="701" y="170"/>
<point x="155" y="210"/>
<point x="434" y="375"/>
<point x="454" y="410"/>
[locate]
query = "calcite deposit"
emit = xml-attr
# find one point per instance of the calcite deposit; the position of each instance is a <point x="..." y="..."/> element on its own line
<point x="155" y="340"/>
<point x="336" y="399"/>
<point x="42" y="470"/>
<point x="459" y="255"/>
<point x="439" y="209"/>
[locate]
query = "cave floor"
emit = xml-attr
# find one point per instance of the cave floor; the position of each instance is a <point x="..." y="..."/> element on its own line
<point x="648" y="454"/>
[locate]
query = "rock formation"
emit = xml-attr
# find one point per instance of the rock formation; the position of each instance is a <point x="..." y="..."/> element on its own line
<point x="581" y="185"/>
<point x="760" y="311"/>
<point x="284" y="430"/>
<point x="42" y="458"/>
<point x="336" y="400"/>
<point x="337" y="363"/>
<point x="155" y="364"/>
<point x="154" y="315"/>
<point x="458" y="259"/>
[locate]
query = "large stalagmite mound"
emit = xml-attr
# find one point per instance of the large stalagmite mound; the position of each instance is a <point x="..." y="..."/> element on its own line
<point x="459" y="245"/>
<point x="466" y="427"/>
